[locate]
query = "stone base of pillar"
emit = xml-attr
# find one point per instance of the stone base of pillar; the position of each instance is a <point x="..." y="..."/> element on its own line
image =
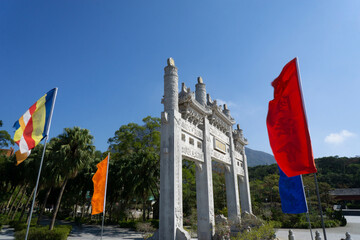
<point x="181" y="234"/>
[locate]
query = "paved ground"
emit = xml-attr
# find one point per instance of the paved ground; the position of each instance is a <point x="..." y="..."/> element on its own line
<point x="110" y="232"/>
<point x="90" y="232"/>
<point x="6" y="233"/>
<point x="352" y="226"/>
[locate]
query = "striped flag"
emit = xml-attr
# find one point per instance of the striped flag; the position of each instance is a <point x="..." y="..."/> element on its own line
<point x="32" y="127"/>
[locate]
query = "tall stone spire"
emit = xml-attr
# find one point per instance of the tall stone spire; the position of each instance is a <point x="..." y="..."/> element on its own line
<point x="171" y="86"/>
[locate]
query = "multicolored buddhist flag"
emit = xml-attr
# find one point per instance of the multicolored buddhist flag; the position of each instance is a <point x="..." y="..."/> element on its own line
<point x="32" y="127"/>
<point x="99" y="179"/>
<point x="287" y="125"/>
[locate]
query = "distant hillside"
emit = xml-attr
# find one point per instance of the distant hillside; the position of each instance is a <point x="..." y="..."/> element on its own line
<point x="255" y="158"/>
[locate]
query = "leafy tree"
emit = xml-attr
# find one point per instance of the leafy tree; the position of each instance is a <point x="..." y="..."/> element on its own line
<point x="136" y="163"/>
<point x="5" y="138"/>
<point x="333" y="172"/>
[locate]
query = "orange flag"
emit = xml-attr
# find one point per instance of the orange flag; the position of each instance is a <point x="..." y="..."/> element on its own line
<point x="99" y="179"/>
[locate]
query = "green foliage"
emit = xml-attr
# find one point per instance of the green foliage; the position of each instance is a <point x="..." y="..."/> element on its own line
<point x="42" y="233"/>
<point x="128" y="224"/>
<point x="18" y="226"/>
<point x="339" y="172"/>
<point x="219" y="188"/>
<point x="70" y="152"/>
<point x="5" y="138"/>
<point x="134" y="171"/>
<point x="191" y="221"/>
<point x="144" y="227"/>
<point x="261" y="171"/>
<point x="222" y="231"/>
<point x="263" y="232"/>
<point x="332" y="172"/>
<point x="154" y="223"/>
<point x="4" y="220"/>
<point x="70" y="163"/>
<point x="189" y="188"/>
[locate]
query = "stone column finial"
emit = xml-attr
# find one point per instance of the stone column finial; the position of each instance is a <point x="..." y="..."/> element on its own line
<point x="200" y="92"/>
<point x="226" y="111"/>
<point x="171" y="62"/>
<point x="171" y="89"/>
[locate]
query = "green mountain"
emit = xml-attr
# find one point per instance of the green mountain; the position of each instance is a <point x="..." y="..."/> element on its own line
<point x="255" y="158"/>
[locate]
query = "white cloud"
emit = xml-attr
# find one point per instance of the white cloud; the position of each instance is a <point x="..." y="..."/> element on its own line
<point x="229" y="104"/>
<point x="337" y="138"/>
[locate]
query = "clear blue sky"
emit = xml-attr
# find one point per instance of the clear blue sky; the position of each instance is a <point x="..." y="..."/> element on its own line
<point x="107" y="59"/>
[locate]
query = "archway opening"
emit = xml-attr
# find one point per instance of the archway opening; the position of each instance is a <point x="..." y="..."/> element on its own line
<point x="189" y="197"/>
<point x="219" y="188"/>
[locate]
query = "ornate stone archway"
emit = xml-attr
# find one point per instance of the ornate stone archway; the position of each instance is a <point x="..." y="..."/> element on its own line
<point x="195" y="128"/>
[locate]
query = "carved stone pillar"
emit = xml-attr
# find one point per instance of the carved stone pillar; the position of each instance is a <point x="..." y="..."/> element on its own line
<point x="204" y="190"/>
<point x="171" y="214"/>
<point x="232" y="190"/>
<point x="244" y="187"/>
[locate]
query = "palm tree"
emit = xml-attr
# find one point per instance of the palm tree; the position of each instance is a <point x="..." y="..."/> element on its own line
<point x="72" y="151"/>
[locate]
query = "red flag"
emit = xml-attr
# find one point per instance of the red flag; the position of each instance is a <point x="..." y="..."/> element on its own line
<point x="287" y="126"/>
<point x="99" y="179"/>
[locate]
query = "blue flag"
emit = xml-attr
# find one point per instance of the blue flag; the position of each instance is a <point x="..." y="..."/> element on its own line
<point x="292" y="194"/>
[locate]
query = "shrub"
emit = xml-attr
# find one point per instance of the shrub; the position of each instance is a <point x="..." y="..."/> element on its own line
<point x="43" y="233"/>
<point x="154" y="223"/>
<point x="275" y="224"/>
<point x="144" y="227"/>
<point x="70" y="219"/>
<point x="222" y="231"/>
<point x="18" y="226"/>
<point x="190" y="222"/>
<point x="4" y="220"/>
<point x="128" y="224"/>
<point x="263" y="232"/>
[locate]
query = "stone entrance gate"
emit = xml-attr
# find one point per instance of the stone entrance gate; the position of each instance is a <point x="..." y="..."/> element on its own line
<point x="195" y="128"/>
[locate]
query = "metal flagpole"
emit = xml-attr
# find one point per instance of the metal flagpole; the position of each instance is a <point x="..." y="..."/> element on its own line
<point x="107" y="171"/>
<point x="320" y="209"/>
<point x="307" y="212"/>
<point x="41" y="163"/>
<point x="316" y="184"/>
